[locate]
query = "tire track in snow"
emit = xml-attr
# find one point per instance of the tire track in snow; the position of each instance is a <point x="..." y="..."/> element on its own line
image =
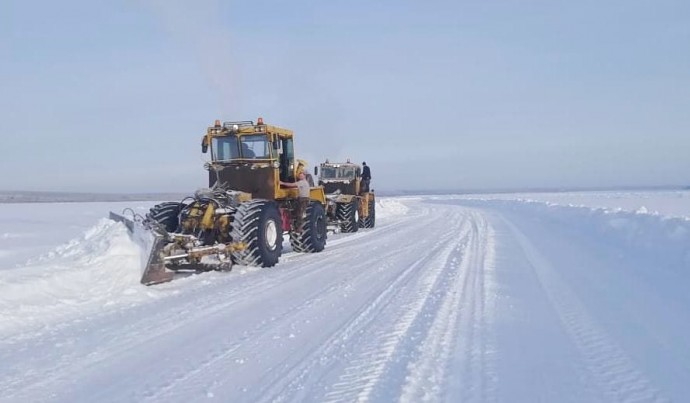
<point x="218" y="356"/>
<point x="367" y="371"/>
<point x="379" y="358"/>
<point x="293" y="368"/>
<point x="464" y="316"/>
<point x="359" y="380"/>
<point x="605" y="361"/>
<point x="173" y="320"/>
<point x="297" y="368"/>
<point x="196" y="378"/>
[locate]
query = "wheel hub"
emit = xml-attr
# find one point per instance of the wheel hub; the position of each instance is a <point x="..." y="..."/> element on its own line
<point x="271" y="234"/>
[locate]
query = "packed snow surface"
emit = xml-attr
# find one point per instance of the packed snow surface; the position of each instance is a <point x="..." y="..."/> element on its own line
<point x="521" y="298"/>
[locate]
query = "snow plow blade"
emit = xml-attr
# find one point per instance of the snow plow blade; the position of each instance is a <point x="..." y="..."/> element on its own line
<point x="166" y="253"/>
<point x="151" y="244"/>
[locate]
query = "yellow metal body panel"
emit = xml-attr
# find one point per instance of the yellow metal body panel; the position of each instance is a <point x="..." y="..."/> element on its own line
<point x="244" y="197"/>
<point x="207" y="221"/>
<point x="315" y="193"/>
<point x="364" y="203"/>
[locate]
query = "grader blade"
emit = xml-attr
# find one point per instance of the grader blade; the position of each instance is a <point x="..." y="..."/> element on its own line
<point x="151" y="244"/>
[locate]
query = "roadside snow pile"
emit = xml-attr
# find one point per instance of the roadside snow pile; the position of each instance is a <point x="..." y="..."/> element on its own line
<point x="387" y="207"/>
<point x="99" y="269"/>
<point x="106" y="244"/>
<point x="662" y="238"/>
<point x="668" y="203"/>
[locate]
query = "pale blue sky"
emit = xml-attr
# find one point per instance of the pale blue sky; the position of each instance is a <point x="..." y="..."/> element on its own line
<point x="114" y="96"/>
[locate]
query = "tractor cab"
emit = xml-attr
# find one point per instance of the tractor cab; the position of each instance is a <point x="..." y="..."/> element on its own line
<point x="344" y="177"/>
<point x="250" y="157"/>
<point x="250" y="160"/>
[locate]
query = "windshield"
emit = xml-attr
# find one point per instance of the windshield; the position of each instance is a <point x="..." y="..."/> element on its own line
<point x="256" y="146"/>
<point x="225" y="148"/>
<point x="343" y="172"/>
<point x="248" y="147"/>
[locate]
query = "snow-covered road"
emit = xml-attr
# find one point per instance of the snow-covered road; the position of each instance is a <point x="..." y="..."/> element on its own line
<point x="447" y="299"/>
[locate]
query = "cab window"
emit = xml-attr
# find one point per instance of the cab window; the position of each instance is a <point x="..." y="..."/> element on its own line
<point x="255" y="146"/>
<point x="225" y="148"/>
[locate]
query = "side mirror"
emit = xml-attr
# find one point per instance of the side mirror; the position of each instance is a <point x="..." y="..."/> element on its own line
<point x="316" y="171"/>
<point x="204" y="145"/>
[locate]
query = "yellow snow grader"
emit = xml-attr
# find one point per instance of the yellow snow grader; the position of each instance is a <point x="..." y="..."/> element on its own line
<point x="243" y="214"/>
<point x="349" y="205"/>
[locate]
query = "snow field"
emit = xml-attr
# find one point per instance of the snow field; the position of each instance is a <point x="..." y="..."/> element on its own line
<point x="447" y="299"/>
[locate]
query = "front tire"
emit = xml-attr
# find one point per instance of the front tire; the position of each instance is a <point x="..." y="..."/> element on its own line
<point x="166" y="214"/>
<point x="258" y="224"/>
<point x="312" y="237"/>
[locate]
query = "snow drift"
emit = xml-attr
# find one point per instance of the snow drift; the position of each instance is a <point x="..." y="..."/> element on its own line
<point x="98" y="269"/>
<point x="663" y="239"/>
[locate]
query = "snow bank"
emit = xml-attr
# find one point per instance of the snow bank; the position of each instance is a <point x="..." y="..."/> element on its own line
<point x="99" y="269"/>
<point x="389" y="207"/>
<point x="669" y="203"/>
<point x="662" y="238"/>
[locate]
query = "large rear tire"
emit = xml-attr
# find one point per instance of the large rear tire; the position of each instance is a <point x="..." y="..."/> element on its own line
<point x="348" y="215"/>
<point x="312" y="237"/>
<point x="372" y="212"/>
<point x="370" y="220"/>
<point x="257" y="223"/>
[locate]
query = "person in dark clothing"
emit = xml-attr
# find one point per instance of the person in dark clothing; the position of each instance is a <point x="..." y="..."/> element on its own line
<point x="247" y="152"/>
<point x="366" y="177"/>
